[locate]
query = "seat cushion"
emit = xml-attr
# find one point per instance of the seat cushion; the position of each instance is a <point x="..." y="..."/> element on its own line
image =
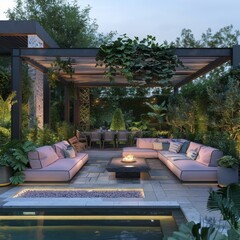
<point x="62" y="170"/>
<point x="42" y="157"/>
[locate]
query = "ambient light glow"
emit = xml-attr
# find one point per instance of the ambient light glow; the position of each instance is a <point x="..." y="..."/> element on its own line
<point x="129" y="158"/>
<point x="79" y="193"/>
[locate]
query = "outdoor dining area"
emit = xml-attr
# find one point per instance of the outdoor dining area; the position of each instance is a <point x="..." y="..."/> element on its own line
<point x="104" y="138"/>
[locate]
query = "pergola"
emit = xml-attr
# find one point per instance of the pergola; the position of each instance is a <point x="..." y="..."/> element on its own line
<point x="198" y="61"/>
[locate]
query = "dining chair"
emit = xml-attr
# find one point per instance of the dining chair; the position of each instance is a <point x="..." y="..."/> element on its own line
<point x="109" y="136"/>
<point x="82" y="138"/>
<point x="96" y="137"/>
<point x="122" y="137"/>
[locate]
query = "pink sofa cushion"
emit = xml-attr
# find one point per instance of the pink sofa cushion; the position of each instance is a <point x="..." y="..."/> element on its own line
<point x="60" y="147"/>
<point x="209" y="156"/>
<point x="140" y="152"/>
<point x="42" y="157"/>
<point x="148" y="142"/>
<point x="194" y="146"/>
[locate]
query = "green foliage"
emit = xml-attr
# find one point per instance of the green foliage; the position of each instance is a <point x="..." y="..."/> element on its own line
<point x="68" y="24"/>
<point x="197" y="231"/>
<point x="117" y="120"/>
<point x="5" y="88"/>
<point x="5" y="109"/>
<point x="224" y="105"/>
<point x="48" y="135"/>
<point x="156" y="117"/>
<point x="135" y="58"/>
<point x="227" y="161"/>
<point x="181" y="116"/>
<point x="64" y="130"/>
<point x="14" y="154"/>
<point x="227" y="200"/>
<point x="58" y="66"/>
<point x="5" y="135"/>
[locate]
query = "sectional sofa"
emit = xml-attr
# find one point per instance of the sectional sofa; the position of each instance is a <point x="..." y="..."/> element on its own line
<point x="48" y="163"/>
<point x="192" y="162"/>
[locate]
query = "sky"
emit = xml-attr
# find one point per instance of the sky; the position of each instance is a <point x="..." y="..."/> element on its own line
<point x="163" y="19"/>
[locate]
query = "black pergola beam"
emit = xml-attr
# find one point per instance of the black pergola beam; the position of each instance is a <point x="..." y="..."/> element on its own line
<point x="236" y="56"/>
<point x="59" y="52"/>
<point x="16" y="113"/>
<point x="92" y="52"/>
<point x="36" y="65"/>
<point x="203" y="52"/>
<point x="203" y="71"/>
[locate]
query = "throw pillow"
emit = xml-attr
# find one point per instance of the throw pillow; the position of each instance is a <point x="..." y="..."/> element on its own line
<point x="192" y="154"/>
<point x="166" y="146"/>
<point x="184" y="147"/>
<point x="69" y="152"/>
<point x="157" y="146"/>
<point x="175" y="147"/>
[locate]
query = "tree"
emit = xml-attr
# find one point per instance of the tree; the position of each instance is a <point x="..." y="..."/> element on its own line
<point x="66" y="23"/>
<point x="118" y="120"/>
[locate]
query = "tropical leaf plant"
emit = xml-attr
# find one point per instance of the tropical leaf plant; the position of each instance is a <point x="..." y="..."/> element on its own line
<point x="14" y="154"/>
<point x="227" y="200"/>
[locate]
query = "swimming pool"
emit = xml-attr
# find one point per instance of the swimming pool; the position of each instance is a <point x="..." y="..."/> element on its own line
<point x="113" y="223"/>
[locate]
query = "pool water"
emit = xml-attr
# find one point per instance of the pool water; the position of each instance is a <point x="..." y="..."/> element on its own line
<point x="87" y="223"/>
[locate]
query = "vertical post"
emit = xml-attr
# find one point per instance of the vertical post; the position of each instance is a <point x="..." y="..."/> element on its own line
<point x="175" y="91"/>
<point x="16" y="112"/>
<point x="35" y="102"/>
<point x="66" y="104"/>
<point x="46" y="101"/>
<point x="236" y="56"/>
<point x="76" y="107"/>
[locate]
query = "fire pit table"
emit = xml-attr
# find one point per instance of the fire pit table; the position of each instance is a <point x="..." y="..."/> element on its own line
<point x="127" y="169"/>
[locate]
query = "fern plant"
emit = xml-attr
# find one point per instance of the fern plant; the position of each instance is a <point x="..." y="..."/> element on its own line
<point x="14" y="154"/>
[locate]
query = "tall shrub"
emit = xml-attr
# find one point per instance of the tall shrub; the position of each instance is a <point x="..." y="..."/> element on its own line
<point x="118" y="120"/>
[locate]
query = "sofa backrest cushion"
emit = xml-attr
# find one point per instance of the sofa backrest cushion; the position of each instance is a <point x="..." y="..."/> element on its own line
<point x="42" y="157"/>
<point x="194" y="146"/>
<point x="148" y="142"/>
<point x="59" y="148"/>
<point x="161" y="146"/>
<point x="209" y="156"/>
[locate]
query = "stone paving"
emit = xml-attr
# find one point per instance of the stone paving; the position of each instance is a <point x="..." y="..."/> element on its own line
<point x="160" y="186"/>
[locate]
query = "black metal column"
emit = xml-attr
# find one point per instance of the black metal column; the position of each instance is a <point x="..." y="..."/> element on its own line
<point x="236" y="56"/>
<point x="16" y="113"/>
<point x="66" y="104"/>
<point x="46" y="101"/>
<point x="175" y="90"/>
<point x="76" y="107"/>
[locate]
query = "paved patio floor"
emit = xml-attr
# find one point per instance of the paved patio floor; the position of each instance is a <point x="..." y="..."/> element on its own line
<point x="160" y="186"/>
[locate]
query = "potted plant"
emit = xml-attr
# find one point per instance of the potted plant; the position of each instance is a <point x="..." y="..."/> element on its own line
<point x="14" y="159"/>
<point x="139" y="61"/>
<point x="227" y="170"/>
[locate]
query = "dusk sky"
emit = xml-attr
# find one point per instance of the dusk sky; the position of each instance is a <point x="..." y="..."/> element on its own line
<point x="160" y="18"/>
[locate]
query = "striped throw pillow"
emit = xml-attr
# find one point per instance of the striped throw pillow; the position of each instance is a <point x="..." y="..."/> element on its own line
<point x="192" y="154"/>
<point x="175" y="147"/>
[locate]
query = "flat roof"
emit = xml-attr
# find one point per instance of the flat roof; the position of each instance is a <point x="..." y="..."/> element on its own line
<point x="197" y="62"/>
<point x="13" y="41"/>
<point x="14" y="34"/>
